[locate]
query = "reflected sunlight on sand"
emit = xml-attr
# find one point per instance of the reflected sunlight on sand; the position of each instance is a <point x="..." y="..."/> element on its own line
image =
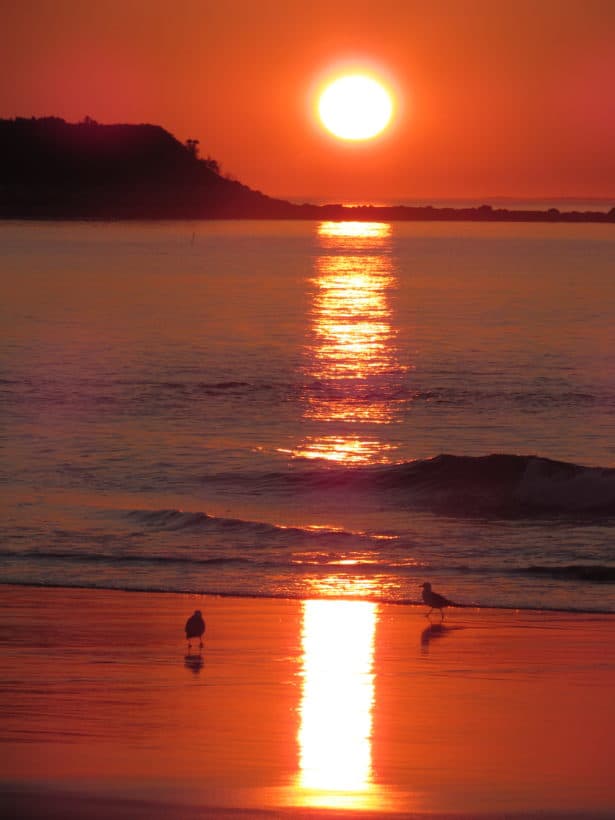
<point x="336" y="708"/>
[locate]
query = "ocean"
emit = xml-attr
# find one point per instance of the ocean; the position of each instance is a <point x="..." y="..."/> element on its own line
<point x="311" y="410"/>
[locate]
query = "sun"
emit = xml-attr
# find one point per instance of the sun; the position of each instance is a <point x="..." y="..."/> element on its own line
<point x="355" y="107"/>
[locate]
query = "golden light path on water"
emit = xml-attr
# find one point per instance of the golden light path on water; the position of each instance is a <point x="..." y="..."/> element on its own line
<point x="351" y="371"/>
<point x="351" y="353"/>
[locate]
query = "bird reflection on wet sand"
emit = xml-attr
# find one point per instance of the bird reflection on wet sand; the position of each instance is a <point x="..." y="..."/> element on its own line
<point x="194" y="662"/>
<point x="434" y="631"/>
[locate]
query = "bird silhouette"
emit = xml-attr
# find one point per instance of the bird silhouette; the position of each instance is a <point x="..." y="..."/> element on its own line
<point x="195" y="627"/>
<point x="434" y="600"/>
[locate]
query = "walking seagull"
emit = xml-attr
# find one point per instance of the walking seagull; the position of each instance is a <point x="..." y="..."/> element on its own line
<point x="195" y="627"/>
<point x="435" y="601"/>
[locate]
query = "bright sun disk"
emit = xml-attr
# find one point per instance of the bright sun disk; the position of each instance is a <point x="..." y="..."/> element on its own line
<point x="355" y="107"/>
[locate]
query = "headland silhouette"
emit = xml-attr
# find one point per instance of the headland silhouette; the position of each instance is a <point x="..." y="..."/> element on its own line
<point x="51" y="169"/>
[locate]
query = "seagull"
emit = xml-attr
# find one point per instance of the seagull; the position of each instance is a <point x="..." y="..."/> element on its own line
<point x="435" y="601"/>
<point x="195" y="627"/>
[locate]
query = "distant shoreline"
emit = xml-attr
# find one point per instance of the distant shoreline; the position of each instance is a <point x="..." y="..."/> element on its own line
<point x="54" y="170"/>
<point x="333" y="213"/>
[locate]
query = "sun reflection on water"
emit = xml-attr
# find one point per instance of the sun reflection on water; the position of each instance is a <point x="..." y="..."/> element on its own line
<point x="336" y="710"/>
<point x="354" y="230"/>
<point x="349" y="449"/>
<point x="352" y="369"/>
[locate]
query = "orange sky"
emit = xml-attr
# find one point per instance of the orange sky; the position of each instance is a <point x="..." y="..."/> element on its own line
<point x="495" y="98"/>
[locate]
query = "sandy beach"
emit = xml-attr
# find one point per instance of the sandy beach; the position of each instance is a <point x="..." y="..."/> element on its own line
<point x="300" y="707"/>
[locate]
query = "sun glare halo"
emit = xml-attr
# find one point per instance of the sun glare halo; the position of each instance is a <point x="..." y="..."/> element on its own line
<point x="355" y="107"/>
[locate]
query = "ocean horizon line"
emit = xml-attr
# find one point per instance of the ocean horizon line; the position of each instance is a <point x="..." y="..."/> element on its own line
<point x="503" y="201"/>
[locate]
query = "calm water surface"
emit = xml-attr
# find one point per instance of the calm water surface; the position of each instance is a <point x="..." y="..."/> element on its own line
<point x="311" y="409"/>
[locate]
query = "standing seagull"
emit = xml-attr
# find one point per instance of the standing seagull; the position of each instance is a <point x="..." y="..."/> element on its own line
<point x="435" y="601"/>
<point x="195" y="627"/>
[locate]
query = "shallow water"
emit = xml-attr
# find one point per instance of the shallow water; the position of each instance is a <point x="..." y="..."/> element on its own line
<point x="311" y="409"/>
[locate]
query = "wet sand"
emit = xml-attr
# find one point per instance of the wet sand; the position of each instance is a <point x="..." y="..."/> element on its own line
<point x="298" y="708"/>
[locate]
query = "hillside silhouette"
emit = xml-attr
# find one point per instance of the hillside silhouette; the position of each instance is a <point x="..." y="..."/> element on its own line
<point x="51" y="169"/>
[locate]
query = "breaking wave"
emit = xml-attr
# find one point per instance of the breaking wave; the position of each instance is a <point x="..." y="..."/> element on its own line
<point x="596" y="573"/>
<point x="467" y="485"/>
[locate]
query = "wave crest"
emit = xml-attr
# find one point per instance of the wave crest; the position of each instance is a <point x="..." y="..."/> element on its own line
<point x="597" y="573"/>
<point x="237" y="528"/>
<point x="467" y="485"/>
<point x="508" y="483"/>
